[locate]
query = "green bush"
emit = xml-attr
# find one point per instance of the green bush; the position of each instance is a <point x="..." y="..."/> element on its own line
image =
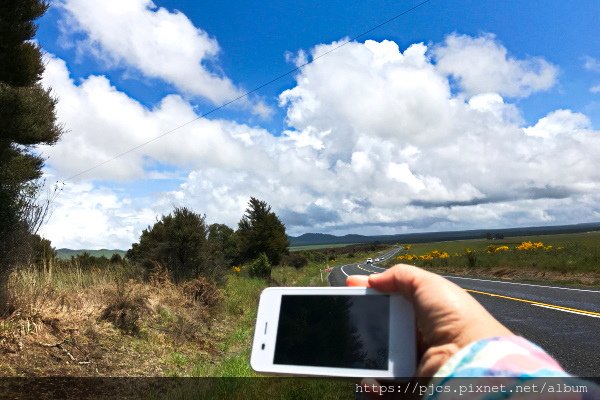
<point x="471" y="257"/>
<point x="260" y="267"/>
<point x="179" y="241"/>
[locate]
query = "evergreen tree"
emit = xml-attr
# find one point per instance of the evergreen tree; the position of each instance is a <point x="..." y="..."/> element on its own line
<point x="261" y="231"/>
<point x="222" y="242"/>
<point x="27" y="119"/>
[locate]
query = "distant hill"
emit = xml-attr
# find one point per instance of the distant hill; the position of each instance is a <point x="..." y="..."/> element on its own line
<point x="310" y="239"/>
<point x="65" y="254"/>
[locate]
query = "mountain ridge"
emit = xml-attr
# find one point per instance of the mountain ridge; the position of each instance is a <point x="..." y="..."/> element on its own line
<point x="309" y="239"/>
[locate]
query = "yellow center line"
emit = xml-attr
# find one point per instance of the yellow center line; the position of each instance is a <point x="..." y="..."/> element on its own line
<point x="536" y="303"/>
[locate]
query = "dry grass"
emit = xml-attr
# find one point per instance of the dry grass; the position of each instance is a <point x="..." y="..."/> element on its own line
<point x="106" y="322"/>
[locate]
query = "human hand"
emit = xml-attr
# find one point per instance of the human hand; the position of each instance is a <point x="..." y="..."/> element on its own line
<point x="448" y="318"/>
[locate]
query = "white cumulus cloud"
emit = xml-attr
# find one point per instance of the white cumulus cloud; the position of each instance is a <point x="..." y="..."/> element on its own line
<point x="155" y="41"/>
<point x="103" y="122"/>
<point x="376" y="142"/>
<point x="483" y="65"/>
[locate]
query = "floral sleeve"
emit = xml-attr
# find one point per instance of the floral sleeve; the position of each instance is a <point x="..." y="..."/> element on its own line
<point x="514" y="363"/>
<point x="501" y="356"/>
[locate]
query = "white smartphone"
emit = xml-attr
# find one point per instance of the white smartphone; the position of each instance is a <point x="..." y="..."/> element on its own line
<point x="331" y="331"/>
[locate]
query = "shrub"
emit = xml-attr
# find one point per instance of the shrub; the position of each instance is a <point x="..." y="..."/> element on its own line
<point x="126" y="311"/>
<point x="296" y="260"/>
<point x="471" y="257"/>
<point x="260" y="267"/>
<point x="158" y="274"/>
<point x="203" y="291"/>
<point x="178" y="241"/>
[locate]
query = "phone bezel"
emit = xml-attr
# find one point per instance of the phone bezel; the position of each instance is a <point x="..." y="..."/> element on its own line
<point x="402" y="345"/>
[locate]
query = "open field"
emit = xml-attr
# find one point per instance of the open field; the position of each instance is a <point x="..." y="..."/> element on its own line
<point x="319" y="246"/>
<point x="587" y="240"/>
<point x="566" y="258"/>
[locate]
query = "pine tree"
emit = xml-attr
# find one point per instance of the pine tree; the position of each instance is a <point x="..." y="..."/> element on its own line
<point x="261" y="231"/>
<point x="27" y="119"/>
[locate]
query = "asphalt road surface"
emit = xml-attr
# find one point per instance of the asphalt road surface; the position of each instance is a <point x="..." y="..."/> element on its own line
<point x="565" y="321"/>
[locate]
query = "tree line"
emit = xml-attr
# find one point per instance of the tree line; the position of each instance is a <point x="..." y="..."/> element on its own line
<point x="188" y="247"/>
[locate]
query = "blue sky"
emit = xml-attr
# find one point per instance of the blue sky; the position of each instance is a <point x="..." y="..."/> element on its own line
<point x="547" y="55"/>
<point x="254" y="38"/>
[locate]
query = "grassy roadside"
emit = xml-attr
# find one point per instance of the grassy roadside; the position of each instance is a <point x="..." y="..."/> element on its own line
<point x="116" y="320"/>
<point x="241" y="295"/>
<point x="241" y="302"/>
<point x="107" y="322"/>
<point x="239" y="315"/>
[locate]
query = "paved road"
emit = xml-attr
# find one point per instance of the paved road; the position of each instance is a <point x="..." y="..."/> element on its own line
<point x="564" y="321"/>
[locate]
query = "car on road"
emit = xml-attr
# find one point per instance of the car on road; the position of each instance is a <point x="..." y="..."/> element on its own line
<point x="369" y="260"/>
<point x="381" y="258"/>
<point x="377" y="260"/>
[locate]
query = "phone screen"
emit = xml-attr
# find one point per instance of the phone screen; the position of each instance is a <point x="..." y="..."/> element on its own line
<point x="339" y="331"/>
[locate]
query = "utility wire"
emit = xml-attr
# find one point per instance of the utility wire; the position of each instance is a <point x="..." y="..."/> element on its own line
<point x="246" y="94"/>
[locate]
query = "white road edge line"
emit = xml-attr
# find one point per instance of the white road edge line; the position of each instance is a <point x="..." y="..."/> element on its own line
<point x="569" y="311"/>
<point x="342" y="269"/>
<point x="521" y="284"/>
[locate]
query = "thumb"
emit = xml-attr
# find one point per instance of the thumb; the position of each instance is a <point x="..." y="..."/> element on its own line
<point x="401" y="278"/>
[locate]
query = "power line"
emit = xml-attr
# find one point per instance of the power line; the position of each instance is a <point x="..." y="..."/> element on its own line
<point x="246" y="94"/>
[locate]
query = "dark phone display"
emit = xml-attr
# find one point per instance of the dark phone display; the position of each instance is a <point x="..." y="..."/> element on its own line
<point x="340" y="331"/>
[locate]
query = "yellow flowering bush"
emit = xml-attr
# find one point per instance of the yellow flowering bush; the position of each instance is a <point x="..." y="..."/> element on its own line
<point x="435" y="254"/>
<point x="525" y="246"/>
<point x="496" y="249"/>
<point x="438" y="254"/>
<point x="407" y="257"/>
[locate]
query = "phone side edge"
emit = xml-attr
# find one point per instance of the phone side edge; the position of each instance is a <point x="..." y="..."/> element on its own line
<point x="268" y="313"/>
<point x="403" y="338"/>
